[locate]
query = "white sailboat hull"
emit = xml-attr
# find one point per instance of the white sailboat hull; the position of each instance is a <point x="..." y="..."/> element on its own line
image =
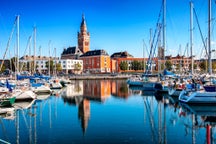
<point x="41" y="90"/>
<point x="198" y="97"/>
<point x="23" y="95"/>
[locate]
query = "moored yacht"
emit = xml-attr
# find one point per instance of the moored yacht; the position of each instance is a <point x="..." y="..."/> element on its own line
<point x="198" y="97"/>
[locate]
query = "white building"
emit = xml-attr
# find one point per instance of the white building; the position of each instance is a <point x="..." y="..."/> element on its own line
<point x="68" y="65"/>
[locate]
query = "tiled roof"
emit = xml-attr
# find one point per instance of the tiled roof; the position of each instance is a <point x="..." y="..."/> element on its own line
<point x="27" y="57"/>
<point x="95" y="53"/>
<point x="124" y="54"/>
<point x="71" y="50"/>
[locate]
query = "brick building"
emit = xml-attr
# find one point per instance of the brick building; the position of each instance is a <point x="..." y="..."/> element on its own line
<point x="96" y="61"/>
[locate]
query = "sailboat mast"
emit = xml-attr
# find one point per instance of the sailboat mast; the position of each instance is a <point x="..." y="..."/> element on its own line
<point x="191" y="36"/>
<point x="49" y="60"/>
<point x="17" y="44"/>
<point x="34" y="50"/>
<point x="143" y="56"/>
<point x="55" y="63"/>
<point x="164" y="28"/>
<point x="209" y="37"/>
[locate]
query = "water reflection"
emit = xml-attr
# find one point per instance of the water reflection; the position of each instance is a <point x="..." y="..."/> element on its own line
<point x="96" y="90"/>
<point x="84" y="114"/>
<point x="107" y="111"/>
<point x="202" y="117"/>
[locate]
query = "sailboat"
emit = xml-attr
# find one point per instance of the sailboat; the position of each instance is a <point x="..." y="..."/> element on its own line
<point x="202" y="96"/>
<point x="20" y="93"/>
<point x="149" y="81"/>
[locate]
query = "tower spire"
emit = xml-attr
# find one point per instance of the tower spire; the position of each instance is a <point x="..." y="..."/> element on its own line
<point x="83" y="24"/>
<point x="83" y="36"/>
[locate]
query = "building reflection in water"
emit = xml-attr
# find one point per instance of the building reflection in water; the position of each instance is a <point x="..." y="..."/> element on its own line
<point x="80" y="93"/>
<point x="97" y="90"/>
<point x="84" y="114"/>
<point x="120" y="89"/>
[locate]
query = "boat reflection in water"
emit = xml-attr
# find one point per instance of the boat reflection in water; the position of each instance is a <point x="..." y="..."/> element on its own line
<point x="203" y="118"/>
<point x="73" y="93"/>
<point x="103" y="111"/>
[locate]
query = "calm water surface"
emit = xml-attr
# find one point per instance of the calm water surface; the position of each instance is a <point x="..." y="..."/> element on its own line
<point x="107" y="111"/>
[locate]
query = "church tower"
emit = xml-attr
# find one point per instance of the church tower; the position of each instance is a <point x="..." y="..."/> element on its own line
<point x="83" y="37"/>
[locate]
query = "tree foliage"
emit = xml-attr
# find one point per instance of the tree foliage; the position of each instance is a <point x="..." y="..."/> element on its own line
<point x="77" y="67"/>
<point x="3" y="68"/>
<point x="58" y="67"/>
<point x="135" y="65"/>
<point x="168" y="65"/>
<point x="123" y="65"/>
<point x="203" y="65"/>
<point x="51" y="67"/>
<point x="13" y="63"/>
<point x="213" y="66"/>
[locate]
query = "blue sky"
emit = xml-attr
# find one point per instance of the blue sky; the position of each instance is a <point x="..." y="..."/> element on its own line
<point x="114" y="25"/>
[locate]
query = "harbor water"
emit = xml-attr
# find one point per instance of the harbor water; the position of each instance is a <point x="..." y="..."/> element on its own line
<point x="107" y="112"/>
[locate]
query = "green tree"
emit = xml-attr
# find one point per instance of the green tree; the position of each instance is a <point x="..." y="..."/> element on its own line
<point x="143" y="65"/>
<point x="135" y="65"/>
<point x="162" y="66"/>
<point x="13" y="63"/>
<point x="3" y="68"/>
<point x="52" y="66"/>
<point x="123" y="65"/>
<point x="77" y="67"/>
<point x="213" y="66"/>
<point x="194" y="66"/>
<point x="177" y="67"/>
<point x="203" y="65"/>
<point x="30" y="66"/>
<point x="58" y="67"/>
<point x="168" y="65"/>
<point x="23" y="66"/>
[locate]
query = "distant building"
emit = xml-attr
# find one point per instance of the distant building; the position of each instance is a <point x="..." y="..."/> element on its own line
<point x="129" y="63"/>
<point x="124" y="54"/>
<point x="71" y="53"/>
<point x="180" y="61"/>
<point x="83" y="43"/>
<point x="31" y="58"/>
<point x="96" y="61"/>
<point x="83" y="37"/>
<point x="119" y="57"/>
<point x="68" y="65"/>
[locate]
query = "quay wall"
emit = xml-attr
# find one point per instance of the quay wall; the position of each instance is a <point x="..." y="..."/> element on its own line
<point x="102" y="76"/>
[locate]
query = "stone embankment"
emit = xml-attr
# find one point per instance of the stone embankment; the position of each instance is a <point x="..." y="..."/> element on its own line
<point x="98" y="76"/>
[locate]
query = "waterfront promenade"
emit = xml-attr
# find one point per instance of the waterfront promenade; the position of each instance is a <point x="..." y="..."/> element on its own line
<point x="98" y="76"/>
